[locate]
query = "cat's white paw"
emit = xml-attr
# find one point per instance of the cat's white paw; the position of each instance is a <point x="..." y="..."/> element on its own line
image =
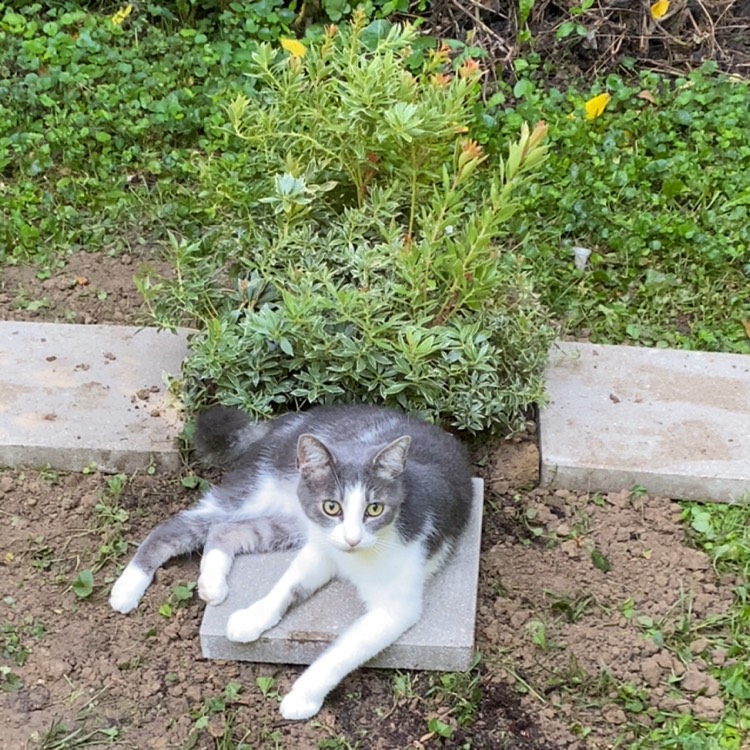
<point x="299" y="705"/>
<point x="247" y="625"/>
<point x="212" y="589"/>
<point x="128" y="589"/>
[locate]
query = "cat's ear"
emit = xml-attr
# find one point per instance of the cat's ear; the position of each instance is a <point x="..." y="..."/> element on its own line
<point x="390" y="461"/>
<point x="313" y="458"/>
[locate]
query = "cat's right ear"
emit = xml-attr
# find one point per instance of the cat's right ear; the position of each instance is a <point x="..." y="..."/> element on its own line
<point x="314" y="460"/>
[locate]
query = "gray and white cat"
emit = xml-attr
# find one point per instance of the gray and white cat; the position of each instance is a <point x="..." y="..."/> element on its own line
<point x="370" y="495"/>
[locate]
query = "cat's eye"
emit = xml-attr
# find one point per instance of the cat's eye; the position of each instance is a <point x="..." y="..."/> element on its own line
<point x="332" y="508"/>
<point x="374" y="510"/>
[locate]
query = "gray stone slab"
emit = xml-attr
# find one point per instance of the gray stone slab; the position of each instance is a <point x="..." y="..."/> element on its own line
<point x="674" y="422"/>
<point x="443" y="639"/>
<point x="69" y="396"/>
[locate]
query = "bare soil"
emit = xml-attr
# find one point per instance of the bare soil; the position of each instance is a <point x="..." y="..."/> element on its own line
<point x="575" y="591"/>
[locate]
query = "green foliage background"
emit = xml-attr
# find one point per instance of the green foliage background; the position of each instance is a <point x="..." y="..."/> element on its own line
<point x="118" y="138"/>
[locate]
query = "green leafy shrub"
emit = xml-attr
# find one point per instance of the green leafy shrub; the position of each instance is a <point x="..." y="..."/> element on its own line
<point x="364" y="260"/>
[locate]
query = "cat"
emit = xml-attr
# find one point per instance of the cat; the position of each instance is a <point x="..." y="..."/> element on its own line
<point x="367" y="494"/>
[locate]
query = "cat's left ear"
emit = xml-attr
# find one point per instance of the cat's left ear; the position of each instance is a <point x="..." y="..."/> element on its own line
<point x="390" y="461"/>
<point x="313" y="459"/>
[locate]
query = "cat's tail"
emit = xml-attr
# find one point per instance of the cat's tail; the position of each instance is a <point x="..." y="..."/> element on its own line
<point x="223" y="434"/>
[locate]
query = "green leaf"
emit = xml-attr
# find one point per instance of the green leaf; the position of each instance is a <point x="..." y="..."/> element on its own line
<point x="83" y="585"/>
<point x="701" y="521"/>
<point x="183" y="593"/>
<point x="374" y="33"/>
<point x="439" y="727"/>
<point x="600" y="561"/>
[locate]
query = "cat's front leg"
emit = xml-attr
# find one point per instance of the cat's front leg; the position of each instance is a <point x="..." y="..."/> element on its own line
<point x="129" y="588"/>
<point x="366" y="638"/>
<point x="309" y="570"/>
<point x="212" y="581"/>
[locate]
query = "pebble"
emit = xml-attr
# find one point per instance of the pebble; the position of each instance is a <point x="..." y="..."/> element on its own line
<point x="614" y="715"/>
<point x="651" y="671"/>
<point x="193" y="693"/>
<point x="54" y="669"/>
<point x="699" y="645"/>
<point x="696" y="681"/>
<point x="718" y="657"/>
<point x="708" y="708"/>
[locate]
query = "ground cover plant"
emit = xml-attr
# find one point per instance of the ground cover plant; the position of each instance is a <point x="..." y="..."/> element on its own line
<point x="113" y="133"/>
<point x="652" y="189"/>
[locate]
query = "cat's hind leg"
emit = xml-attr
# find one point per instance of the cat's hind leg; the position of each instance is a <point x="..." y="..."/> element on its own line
<point x="228" y="539"/>
<point x="183" y="533"/>
<point x="309" y="571"/>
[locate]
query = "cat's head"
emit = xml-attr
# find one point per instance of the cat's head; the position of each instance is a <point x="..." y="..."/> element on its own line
<point x="351" y="497"/>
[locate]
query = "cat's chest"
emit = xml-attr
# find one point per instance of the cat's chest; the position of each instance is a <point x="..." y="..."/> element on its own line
<point x="397" y="569"/>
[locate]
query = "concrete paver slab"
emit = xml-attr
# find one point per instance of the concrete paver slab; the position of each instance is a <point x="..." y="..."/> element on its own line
<point x="674" y="422"/>
<point x="73" y="395"/>
<point x="442" y="640"/>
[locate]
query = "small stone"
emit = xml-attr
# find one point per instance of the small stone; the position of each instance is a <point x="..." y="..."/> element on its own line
<point x="694" y="681"/>
<point x="713" y="686"/>
<point x="54" y="669"/>
<point x="664" y="659"/>
<point x="678" y="668"/>
<point x="563" y="530"/>
<point x="193" y="694"/>
<point x="694" y="559"/>
<point x="38" y="698"/>
<point x="699" y="645"/>
<point x="570" y="548"/>
<point x="651" y="671"/>
<point x="614" y="715"/>
<point x="519" y="619"/>
<point x="718" y="657"/>
<point x="681" y="705"/>
<point x="707" y="708"/>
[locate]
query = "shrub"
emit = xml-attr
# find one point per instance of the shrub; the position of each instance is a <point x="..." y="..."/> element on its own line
<point x="363" y="260"/>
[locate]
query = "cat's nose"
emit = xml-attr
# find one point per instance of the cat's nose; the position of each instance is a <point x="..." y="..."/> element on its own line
<point x="352" y="539"/>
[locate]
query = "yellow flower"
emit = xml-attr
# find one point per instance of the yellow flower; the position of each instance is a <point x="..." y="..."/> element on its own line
<point x="595" y="106"/>
<point x="122" y="14"/>
<point x="293" y="47"/>
<point x="659" y="9"/>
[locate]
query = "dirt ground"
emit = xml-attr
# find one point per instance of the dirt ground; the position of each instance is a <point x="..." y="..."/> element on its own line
<point x="577" y="593"/>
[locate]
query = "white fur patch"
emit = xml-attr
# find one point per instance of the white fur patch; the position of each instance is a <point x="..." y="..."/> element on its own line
<point x="128" y="589"/>
<point x="212" y="583"/>
<point x="272" y="497"/>
<point x="298" y="706"/>
<point x="352" y="533"/>
<point x="247" y="625"/>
